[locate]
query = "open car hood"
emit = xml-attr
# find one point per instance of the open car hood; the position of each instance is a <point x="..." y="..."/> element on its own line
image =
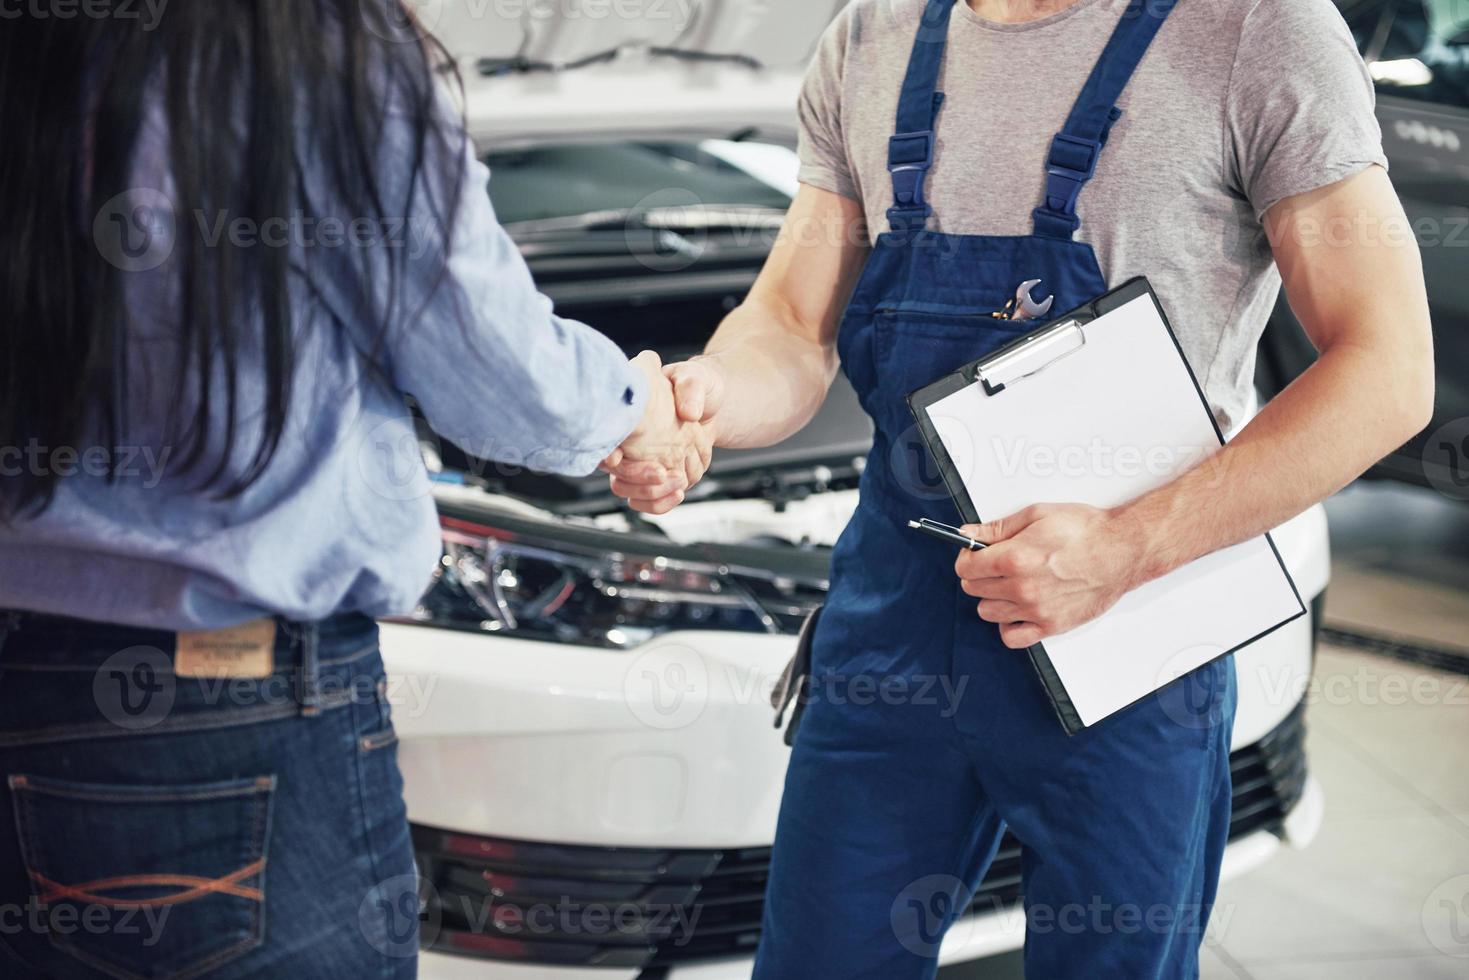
<point x="775" y="34"/>
<point x="547" y="72"/>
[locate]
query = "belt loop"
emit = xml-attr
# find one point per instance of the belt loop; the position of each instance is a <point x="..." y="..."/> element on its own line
<point x="9" y="623"/>
<point x="309" y="694"/>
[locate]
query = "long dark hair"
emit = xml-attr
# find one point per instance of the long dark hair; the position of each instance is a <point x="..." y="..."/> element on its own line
<point x="255" y="94"/>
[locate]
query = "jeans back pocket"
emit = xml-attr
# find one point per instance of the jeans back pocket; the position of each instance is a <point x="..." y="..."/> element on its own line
<point x="147" y="882"/>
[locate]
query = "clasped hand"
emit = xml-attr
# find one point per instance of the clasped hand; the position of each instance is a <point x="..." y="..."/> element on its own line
<point x="671" y="449"/>
<point x="1049" y="569"/>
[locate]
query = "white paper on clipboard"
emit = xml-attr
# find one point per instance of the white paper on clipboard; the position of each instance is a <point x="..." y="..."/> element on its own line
<point x="1111" y="420"/>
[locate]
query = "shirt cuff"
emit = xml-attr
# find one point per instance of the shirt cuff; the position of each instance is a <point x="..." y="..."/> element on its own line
<point x="827" y="179"/>
<point x="621" y="417"/>
<point x="1274" y="191"/>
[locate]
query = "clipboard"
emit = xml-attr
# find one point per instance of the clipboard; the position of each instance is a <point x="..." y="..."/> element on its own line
<point x="1105" y="379"/>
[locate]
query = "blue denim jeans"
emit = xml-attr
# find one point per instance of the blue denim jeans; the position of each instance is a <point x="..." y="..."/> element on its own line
<point x="157" y="826"/>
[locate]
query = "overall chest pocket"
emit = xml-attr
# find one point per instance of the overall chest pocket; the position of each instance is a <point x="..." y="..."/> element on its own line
<point x="147" y="882"/>
<point x="913" y="348"/>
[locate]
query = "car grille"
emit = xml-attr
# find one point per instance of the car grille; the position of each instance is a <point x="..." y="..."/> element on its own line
<point x="645" y="907"/>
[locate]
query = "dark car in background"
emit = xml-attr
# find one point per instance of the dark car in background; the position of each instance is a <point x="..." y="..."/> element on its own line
<point x="1418" y="54"/>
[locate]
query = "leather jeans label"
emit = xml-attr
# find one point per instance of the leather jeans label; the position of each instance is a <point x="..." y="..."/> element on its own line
<point x="247" y="650"/>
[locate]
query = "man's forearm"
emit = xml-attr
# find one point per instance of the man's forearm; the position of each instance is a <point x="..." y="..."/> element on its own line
<point x="774" y="357"/>
<point x="1354" y="406"/>
<point x="775" y="379"/>
<point x="1353" y="274"/>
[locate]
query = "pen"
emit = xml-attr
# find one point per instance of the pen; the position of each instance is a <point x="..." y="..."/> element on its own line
<point x="946" y="533"/>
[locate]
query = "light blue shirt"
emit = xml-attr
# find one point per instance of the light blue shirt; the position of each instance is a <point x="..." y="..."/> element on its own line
<point x="342" y="519"/>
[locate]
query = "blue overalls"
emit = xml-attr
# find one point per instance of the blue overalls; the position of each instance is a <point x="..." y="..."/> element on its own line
<point x="923" y="736"/>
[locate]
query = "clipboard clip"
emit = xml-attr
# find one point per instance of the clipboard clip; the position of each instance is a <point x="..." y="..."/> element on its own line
<point x="1031" y="356"/>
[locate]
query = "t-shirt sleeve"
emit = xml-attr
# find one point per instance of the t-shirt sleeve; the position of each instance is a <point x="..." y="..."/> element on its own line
<point x="1300" y="112"/>
<point x="823" y="147"/>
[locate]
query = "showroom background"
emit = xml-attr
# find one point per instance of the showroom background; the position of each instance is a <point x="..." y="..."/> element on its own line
<point x="582" y="698"/>
<point x="1382" y="890"/>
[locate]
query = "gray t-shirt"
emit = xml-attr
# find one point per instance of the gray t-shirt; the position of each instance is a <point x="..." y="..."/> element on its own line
<point x="1238" y="104"/>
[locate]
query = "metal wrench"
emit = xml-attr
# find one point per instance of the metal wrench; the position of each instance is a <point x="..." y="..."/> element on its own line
<point x="1024" y="306"/>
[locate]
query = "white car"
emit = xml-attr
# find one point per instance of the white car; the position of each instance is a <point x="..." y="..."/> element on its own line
<point x="592" y="767"/>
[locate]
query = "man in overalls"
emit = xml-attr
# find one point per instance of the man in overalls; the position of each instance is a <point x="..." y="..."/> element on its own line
<point x="947" y="157"/>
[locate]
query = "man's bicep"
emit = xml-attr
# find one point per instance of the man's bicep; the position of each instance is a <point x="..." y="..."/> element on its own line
<point x="815" y="264"/>
<point x="1300" y="106"/>
<point x="1350" y="264"/>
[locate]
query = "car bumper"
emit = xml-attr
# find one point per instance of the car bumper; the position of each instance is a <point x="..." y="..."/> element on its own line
<point x="721" y="889"/>
<point x="973" y="937"/>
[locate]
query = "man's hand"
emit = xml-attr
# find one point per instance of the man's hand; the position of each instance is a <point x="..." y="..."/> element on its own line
<point x="698" y="386"/>
<point x="1048" y="570"/>
<point x="671" y="450"/>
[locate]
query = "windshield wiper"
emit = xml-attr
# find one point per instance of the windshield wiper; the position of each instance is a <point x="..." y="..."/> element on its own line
<point x="701" y="218"/>
<point x="521" y="65"/>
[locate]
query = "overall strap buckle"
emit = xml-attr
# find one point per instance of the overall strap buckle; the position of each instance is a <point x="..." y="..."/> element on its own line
<point x="910" y="157"/>
<point x="1071" y="163"/>
<point x="910" y="153"/>
<point x="1072" y="160"/>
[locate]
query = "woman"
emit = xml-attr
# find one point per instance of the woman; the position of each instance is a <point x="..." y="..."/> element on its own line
<point x="234" y="240"/>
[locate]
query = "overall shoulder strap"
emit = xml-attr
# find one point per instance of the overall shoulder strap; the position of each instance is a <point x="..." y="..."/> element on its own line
<point x="1074" y="151"/>
<point x="910" y="151"/>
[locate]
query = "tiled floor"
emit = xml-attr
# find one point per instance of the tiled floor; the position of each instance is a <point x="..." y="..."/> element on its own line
<point x="1364" y="900"/>
<point x="1383" y="892"/>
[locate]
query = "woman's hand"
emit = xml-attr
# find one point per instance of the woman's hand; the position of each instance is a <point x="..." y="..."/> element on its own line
<point x="671" y="450"/>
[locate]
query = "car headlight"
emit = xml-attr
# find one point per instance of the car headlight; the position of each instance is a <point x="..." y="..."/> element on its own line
<point x="598" y="588"/>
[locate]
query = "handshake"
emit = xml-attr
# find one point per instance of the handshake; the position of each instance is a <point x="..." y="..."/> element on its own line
<point x="669" y="452"/>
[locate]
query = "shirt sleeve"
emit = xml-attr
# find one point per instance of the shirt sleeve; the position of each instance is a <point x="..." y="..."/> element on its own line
<point x="822" y="146"/>
<point x="1300" y="112"/>
<point x="492" y="367"/>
